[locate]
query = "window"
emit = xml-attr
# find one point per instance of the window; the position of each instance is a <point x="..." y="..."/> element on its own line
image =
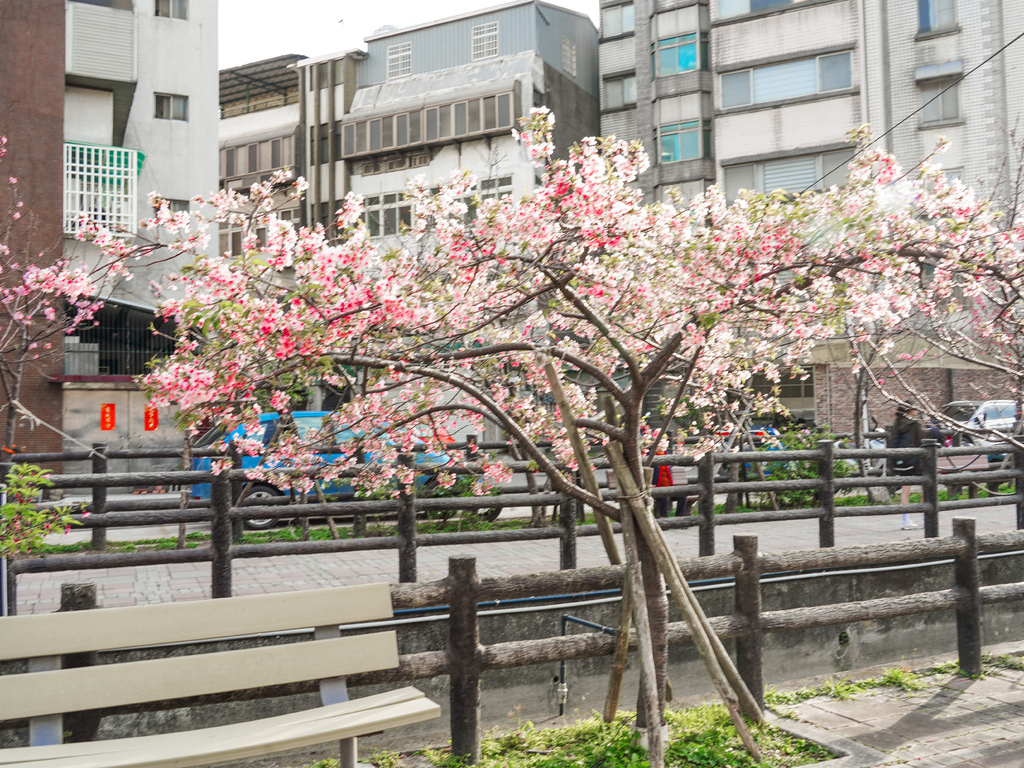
<point x="387" y="214"/>
<point x="680" y="46"/>
<point x="941" y="101"/>
<point x="399" y="60"/>
<point x="787" y="81"/>
<point x="178" y="206"/>
<point x="684" y="141"/>
<point x="619" y="91"/>
<point x="171" y="107"/>
<point x="322" y="146"/>
<point x="172" y="9"/>
<point x="790" y="386"/>
<point x="569" y="56"/>
<point x="488" y="113"/>
<point x="684" y="128"/>
<point x="485" y="41"/>
<point x="934" y="15"/>
<point x="323" y="74"/>
<point x="228" y="162"/>
<point x="618" y="20"/>
<point x="495" y="188"/>
<point x="736" y="7"/>
<point x="790" y="174"/>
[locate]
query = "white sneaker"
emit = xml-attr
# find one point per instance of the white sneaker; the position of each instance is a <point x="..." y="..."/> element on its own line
<point x="910" y="526"/>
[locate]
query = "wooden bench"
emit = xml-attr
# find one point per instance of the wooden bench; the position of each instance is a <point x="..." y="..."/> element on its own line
<point x="47" y="690"/>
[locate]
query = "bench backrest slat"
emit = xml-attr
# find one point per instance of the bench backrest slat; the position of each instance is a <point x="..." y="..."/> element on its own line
<point x="109" y="685"/>
<point x="110" y="628"/>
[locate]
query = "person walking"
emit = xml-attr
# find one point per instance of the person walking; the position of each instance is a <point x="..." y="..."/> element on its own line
<point x="905" y="432"/>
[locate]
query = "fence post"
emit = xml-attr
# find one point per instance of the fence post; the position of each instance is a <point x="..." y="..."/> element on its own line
<point x="968" y="584"/>
<point x="406" y="528"/>
<point x="464" y="656"/>
<point x="237" y="526"/>
<point x="80" y="597"/>
<point x="1018" y="486"/>
<point x="220" y="502"/>
<point x="10" y="603"/>
<point x="827" y="494"/>
<point x="567" y="536"/>
<point x="706" y="504"/>
<point x="930" y="488"/>
<point x="749" y="645"/>
<point x="99" y="495"/>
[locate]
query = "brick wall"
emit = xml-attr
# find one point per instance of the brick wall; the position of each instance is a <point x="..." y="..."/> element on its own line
<point x="834" y="391"/>
<point x="32" y="118"/>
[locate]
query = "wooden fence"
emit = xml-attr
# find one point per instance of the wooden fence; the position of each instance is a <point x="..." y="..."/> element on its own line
<point x="464" y="659"/>
<point x="225" y="518"/>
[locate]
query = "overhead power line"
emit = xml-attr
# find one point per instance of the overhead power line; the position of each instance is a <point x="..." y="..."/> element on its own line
<point x="916" y="111"/>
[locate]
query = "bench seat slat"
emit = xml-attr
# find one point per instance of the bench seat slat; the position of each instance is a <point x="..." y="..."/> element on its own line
<point x="110" y="685"/>
<point x="142" y="625"/>
<point x="241" y="741"/>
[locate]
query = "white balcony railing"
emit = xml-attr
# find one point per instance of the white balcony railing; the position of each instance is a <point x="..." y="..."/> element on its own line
<point x="101" y="184"/>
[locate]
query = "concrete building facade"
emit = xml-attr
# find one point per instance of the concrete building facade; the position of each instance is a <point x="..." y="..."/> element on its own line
<point x="111" y="99"/>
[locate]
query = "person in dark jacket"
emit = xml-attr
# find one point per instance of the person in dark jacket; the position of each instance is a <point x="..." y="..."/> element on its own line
<point x="905" y="432"/>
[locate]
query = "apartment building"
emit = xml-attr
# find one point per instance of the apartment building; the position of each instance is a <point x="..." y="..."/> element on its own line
<point x="761" y="94"/>
<point x="436" y="97"/>
<point x="106" y="101"/>
<point x="259" y="122"/>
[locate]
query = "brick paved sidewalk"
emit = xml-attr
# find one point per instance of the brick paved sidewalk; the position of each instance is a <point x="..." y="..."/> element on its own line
<point x="955" y="722"/>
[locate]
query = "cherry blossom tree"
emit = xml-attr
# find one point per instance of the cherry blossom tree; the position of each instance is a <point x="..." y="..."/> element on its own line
<point x="578" y="294"/>
<point x="964" y="278"/>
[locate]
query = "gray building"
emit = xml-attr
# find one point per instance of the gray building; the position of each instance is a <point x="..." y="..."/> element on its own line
<point x="760" y="94"/>
<point x="436" y="97"/>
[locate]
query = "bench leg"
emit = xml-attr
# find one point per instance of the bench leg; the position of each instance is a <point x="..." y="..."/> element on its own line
<point x="47" y="729"/>
<point x="349" y="753"/>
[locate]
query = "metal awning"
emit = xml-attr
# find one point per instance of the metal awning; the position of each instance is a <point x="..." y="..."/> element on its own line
<point x="269" y="77"/>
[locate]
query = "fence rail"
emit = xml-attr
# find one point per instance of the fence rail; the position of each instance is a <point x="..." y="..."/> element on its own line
<point x="225" y="517"/>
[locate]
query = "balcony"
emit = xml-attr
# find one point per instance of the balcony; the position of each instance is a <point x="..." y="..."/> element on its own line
<point x="101" y="184"/>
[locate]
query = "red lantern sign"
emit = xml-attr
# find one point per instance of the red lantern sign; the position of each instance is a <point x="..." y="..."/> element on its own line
<point x="151" y="419"/>
<point x="108" y="416"/>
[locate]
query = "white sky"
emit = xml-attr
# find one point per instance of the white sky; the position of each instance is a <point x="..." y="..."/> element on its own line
<point x="251" y="30"/>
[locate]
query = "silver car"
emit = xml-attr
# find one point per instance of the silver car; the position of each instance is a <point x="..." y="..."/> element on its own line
<point x="997" y="415"/>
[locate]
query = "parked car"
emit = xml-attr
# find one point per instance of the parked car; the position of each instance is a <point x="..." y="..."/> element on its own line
<point x="1000" y="415"/>
<point x="305" y="423"/>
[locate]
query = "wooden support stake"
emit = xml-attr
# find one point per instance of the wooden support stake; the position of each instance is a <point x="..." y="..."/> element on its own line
<point x="703" y="637"/>
<point x="583" y="459"/>
<point x="611" y="701"/>
<point x="649" y="672"/>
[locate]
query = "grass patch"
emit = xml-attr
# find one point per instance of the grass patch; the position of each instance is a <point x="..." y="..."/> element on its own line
<point x="699" y="737"/>
<point x="843" y="688"/>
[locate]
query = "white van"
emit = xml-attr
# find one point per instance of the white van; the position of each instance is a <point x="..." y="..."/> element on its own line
<point x="999" y="415"/>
